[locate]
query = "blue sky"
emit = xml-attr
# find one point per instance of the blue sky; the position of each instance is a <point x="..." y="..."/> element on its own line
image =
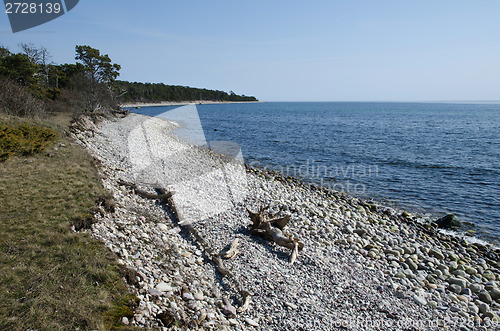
<point x="372" y="50"/>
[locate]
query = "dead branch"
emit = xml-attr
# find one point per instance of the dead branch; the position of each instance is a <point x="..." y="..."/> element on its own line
<point x="165" y="195"/>
<point x="232" y="251"/>
<point x="271" y="228"/>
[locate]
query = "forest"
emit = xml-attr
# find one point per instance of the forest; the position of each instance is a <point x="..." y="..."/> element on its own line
<point x="157" y="92"/>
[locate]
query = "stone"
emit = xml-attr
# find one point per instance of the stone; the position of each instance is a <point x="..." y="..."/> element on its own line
<point x="229" y="310"/>
<point x="251" y="322"/>
<point x="154" y="292"/>
<point x="444" y="269"/>
<point x="470" y="271"/>
<point x="392" y="252"/>
<point x="476" y="288"/>
<point x="164" y="287"/>
<point x="460" y="273"/>
<point x="360" y="232"/>
<point x="455" y="288"/>
<point x="125" y="320"/>
<point x="199" y="296"/>
<point x="483" y="307"/>
<point x="448" y="222"/>
<point x="457" y="281"/>
<point x="420" y="300"/>
<point x="187" y="296"/>
<point x="495" y="293"/>
<point x="162" y="227"/>
<point x="489" y="275"/>
<point x="484" y="296"/>
<point x="473" y="308"/>
<point x="399" y="294"/>
<point x="466" y="291"/>
<point x="436" y="253"/>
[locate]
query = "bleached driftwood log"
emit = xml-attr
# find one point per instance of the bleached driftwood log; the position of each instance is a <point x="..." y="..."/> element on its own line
<point x="271" y="228"/>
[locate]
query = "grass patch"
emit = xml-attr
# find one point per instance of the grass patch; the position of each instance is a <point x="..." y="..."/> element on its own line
<point x="50" y="277"/>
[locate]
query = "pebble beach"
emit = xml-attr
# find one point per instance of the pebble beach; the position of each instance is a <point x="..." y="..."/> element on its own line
<point x="364" y="266"/>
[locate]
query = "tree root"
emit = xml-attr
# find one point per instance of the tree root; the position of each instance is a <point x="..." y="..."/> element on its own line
<point x="271" y="228"/>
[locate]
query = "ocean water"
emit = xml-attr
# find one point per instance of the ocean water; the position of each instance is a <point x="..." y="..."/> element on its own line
<point x="431" y="158"/>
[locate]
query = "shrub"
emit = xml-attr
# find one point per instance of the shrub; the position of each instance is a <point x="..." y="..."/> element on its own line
<point x="25" y="140"/>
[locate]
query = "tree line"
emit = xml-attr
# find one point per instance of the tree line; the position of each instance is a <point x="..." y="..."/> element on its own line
<point x="89" y="84"/>
<point x="157" y="92"/>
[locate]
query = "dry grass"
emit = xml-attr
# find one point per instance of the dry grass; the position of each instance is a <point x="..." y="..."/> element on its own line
<point x="50" y="277"/>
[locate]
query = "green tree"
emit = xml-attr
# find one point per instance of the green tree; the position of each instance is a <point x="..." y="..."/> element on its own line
<point x="99" y="73"/>
<point x="98" y="67"/>
<point x="19" y="68"/>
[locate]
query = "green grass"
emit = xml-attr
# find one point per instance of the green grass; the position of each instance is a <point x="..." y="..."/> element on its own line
<point x="50" y="277"/>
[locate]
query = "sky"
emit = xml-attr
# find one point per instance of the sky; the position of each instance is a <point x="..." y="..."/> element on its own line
<point x="276" y="50"/>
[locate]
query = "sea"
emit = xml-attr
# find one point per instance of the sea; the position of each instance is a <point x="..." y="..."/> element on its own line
<point x="428" y="158"/>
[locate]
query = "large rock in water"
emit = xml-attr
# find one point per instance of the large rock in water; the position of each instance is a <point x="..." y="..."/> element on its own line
<point x="449" y="221"/>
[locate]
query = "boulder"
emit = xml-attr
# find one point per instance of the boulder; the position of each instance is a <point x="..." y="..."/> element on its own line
<point x="449" y="221"/>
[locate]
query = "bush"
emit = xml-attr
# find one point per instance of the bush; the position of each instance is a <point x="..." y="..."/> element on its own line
<point x="25" y="140"/>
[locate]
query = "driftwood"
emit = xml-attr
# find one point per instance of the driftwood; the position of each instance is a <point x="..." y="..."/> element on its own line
<point x="232" y="251"/>
<point x="271" y="228"/>
<point x="166" y="197"/>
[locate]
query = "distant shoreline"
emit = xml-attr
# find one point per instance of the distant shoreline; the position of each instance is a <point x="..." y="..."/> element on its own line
<point x="179" y="103"/>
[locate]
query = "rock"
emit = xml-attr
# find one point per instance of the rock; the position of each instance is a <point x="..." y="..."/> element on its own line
<point x="484" y="296"/>
<point x="455" y="288"/>
<point x="489" y="275"/>
<point x="162" y="227"/>
<point x="447" y="222"/>
<point x="476" y="288"/>
<point x="348" y="229"/>
<point x="360" y="232"/>
<point x="470" y="271"/>
<point x="466" y="291"/>
<point x="199" y="296"/>
<point x="458" y="281"/>
<point x="483" y="307"/>
<point x="473" y="308"/>
<point x="187" y="296"/>
<point x="453" y="265"/>
<point x="436" y="253"/>
<point x="154" y="292"/>
<point x="490" y="285"/>
<point x="392" y="252"/>
<point x="420" y="300"/>
<point x="400" y="275"/>
<point x="164" y="287"/>
<point x="460" y="273"/>
<point x="495" y="293"/>
<point x="232" y="321"/>
<point x="251" y="322"/>
<point x="399" y="294"/>
<point x="125" y="321"/>
<point x="229" y="310"/>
